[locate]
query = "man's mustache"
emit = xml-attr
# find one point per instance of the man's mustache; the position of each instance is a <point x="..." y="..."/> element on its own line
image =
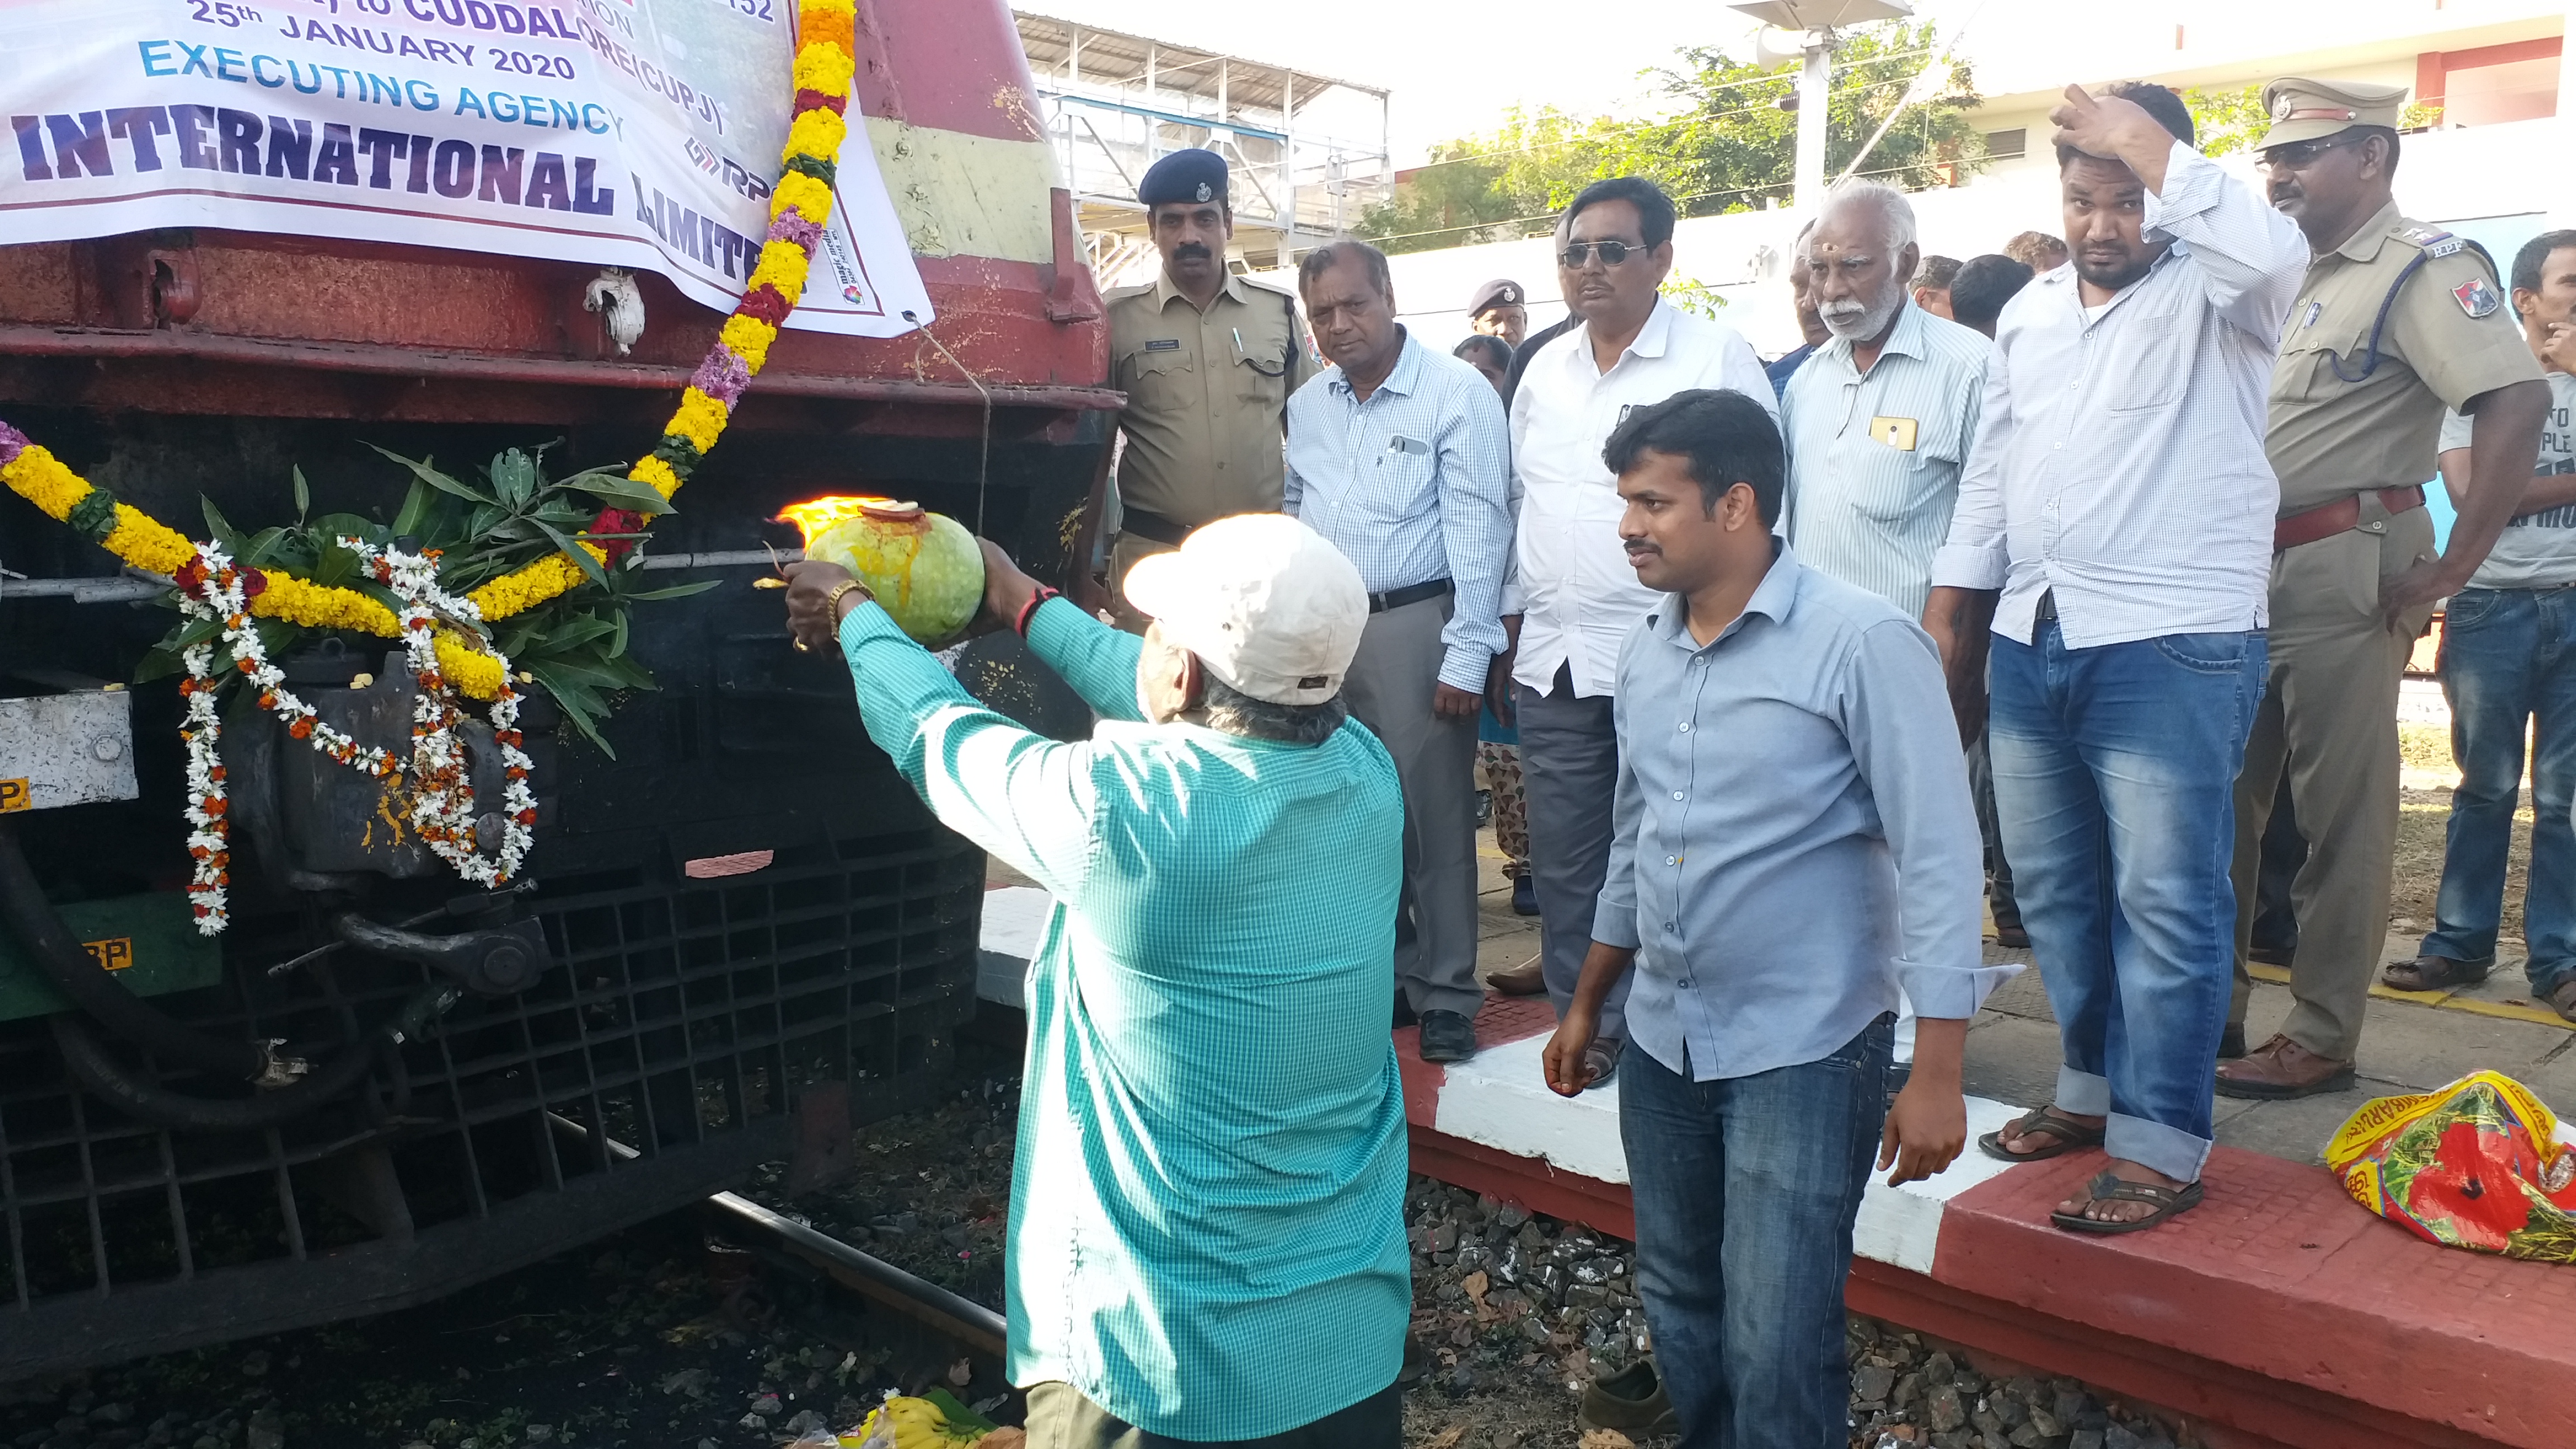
<point x="1189" y="252"/>
<point x="1640" y="550"/>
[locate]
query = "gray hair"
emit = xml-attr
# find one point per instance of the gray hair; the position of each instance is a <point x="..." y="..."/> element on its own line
<point x="1230" y="711"/>
<point x="1893" y="208"/>
<point x="1332" y="254"/>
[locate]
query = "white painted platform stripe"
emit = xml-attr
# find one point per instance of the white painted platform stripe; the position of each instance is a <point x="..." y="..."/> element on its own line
<point x="1500" y="1100"/>
<point x="1014" y="918"/>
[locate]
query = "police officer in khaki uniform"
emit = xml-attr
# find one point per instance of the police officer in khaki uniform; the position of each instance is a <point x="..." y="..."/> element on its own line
<point x="2395" y="321"/>
<point x="1207" y="360"/>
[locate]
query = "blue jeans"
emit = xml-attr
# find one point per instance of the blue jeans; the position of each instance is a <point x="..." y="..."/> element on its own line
<point x="2115" y="776"/>
<point x="2508" y="659"/>
<point x="1745" y="1191"/>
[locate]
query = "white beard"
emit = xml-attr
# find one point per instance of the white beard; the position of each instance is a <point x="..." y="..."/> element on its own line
<point x="1863" y="325"/>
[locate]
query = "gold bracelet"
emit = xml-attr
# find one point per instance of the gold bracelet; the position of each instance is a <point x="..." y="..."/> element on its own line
<point x="832" y="600"/>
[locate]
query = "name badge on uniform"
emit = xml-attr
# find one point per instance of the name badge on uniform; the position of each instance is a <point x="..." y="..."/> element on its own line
<point x="1164" y="344"/>
<point x="1402" y="444"/>
<point x="1897" y="433"/>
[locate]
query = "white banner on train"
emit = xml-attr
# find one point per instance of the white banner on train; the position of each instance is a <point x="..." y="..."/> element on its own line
<point x="632" y="133"/>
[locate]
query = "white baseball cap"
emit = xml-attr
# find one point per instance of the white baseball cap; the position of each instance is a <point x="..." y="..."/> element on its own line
<point x="1264" y="602"/>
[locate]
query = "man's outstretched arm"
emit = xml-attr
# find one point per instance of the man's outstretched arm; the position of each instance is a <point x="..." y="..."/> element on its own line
<point x="1016" y="793"/>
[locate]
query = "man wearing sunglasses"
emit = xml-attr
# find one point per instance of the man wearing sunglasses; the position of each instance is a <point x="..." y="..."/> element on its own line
<point x="1574" y="596"/>
<point x="2395" y="322"/>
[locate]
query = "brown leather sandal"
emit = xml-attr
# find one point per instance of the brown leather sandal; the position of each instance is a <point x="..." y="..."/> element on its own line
<point x="2111" y="1187"/>
<point x="2071" y="1135"/>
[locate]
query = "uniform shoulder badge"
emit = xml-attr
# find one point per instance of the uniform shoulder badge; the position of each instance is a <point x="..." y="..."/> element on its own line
<point x="2476" y="298"/>
<point x="2427" y="237"/>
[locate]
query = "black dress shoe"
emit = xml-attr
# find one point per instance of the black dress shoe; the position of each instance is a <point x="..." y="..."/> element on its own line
<point x="1524" y="896"/>
<point x="1447" y="1036"/>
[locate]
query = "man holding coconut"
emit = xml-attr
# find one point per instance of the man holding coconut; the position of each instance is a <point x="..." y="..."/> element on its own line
<point x="1209" y="1178"/>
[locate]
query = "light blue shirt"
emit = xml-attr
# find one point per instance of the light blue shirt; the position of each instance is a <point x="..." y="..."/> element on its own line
<point x="1207" y="1201"/>
<point x="1874" y="457"/>
<point x="1793" y="835"/>
<point x="1412" y="485"/>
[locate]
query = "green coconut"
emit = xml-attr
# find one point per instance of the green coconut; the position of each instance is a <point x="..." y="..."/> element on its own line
<point x="924" y="568"/>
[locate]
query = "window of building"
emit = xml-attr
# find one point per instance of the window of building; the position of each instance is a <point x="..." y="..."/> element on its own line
<point x="2007" y="145"/>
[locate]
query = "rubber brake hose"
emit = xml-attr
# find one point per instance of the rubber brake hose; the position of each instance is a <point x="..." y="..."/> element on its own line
<point x="60" y="955"/>
<point x="91" y="1065"/>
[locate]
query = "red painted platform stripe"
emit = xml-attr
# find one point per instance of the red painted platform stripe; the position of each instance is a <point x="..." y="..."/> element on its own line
<point x="2279" y="1275"/>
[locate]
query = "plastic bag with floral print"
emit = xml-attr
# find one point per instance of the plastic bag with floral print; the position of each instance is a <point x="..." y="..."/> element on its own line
<point x="2480" y="1164"/>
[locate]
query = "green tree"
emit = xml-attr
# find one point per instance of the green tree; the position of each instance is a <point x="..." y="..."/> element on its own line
<point x="2226" y="121"/>
<point x="2232" y="121"/>
<point x="1728" y="144"/>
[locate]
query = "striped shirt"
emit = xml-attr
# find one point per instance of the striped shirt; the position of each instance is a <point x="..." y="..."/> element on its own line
<point x="1874" y="458"/>
<point x="1412" y="485"/>
<point x="1208" y="1189"/>
<point x="2119" y="458"/>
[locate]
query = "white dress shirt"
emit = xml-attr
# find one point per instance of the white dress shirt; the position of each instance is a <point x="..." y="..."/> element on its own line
<point x="1874" y="458"/>
<point x="2119" y="460"/>
<point x="1572" y="585"/>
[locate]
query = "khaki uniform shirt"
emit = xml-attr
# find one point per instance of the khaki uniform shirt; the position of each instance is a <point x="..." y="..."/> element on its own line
<point x="1205" y="393"/>
<point x="2330" y="439"/>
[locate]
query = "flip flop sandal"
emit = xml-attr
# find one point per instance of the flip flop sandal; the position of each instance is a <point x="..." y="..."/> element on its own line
<point x="2071" y="1135"/>
<point x="2111" y="1187"/>
<point x="2442" y="973"/>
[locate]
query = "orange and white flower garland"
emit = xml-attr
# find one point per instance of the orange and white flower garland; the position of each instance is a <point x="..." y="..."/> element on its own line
<point x="442" y="791"/>
<point x="213" y="587"/>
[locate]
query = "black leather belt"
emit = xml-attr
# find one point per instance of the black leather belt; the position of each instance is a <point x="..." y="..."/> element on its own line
<point x="1154" y="526"/>
<point x="1398" y="598"/>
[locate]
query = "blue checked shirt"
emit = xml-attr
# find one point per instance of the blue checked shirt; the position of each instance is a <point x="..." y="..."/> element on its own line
<point x="1792" y="836"/>
<point x="1413" y="485"/>
<point x="1207" y="1202"/>
<point x="1874" y="458"/>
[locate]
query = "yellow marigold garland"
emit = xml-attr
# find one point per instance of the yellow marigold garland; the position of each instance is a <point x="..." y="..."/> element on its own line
<point x="799" y="207"/>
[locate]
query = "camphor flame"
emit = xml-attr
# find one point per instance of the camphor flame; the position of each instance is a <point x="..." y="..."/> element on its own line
<point x="817" y="514"/>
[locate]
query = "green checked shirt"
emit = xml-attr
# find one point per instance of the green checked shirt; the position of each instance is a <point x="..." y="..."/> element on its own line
<point x="1207" y="1205"/>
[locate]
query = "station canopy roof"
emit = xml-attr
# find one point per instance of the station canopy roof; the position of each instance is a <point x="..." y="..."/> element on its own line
<point x="1111" y="57"/>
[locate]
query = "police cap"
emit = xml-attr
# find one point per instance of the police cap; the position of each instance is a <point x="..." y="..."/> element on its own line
<point x="1189" y="176"/>
<point x="2311" y="110"/>
<point x="1497" y="293"/>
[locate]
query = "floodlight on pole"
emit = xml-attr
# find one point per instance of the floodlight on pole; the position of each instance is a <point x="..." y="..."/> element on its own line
<point x="1817" y="20"/>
